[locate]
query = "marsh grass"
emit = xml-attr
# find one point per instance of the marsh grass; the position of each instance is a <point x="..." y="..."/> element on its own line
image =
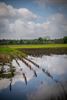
<point x="7" y="54"/>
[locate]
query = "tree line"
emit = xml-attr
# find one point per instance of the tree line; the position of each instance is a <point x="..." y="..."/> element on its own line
<point x="40" y="40"/>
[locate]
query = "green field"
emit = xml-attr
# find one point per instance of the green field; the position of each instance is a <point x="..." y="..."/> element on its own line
<point x="39" y="46"/>
<point x="14" y="48"/>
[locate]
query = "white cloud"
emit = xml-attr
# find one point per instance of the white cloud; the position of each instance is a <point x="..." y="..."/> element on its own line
<point x="58" y="25"/>
<point x="7" y="11"/>
<point x="21" y="23"/>
<point x="4" y="25"/>
<point x="26" y="14"/>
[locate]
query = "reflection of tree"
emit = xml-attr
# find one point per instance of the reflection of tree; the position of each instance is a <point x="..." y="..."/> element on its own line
<point x="10" y="87"/>
<point x="17" y="62"/>
<point x="24" y="78"/>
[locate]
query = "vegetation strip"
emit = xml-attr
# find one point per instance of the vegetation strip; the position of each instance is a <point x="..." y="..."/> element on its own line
<point x="38" y="46"/>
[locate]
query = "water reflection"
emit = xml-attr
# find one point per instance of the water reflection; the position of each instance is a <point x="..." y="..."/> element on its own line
<point x="25" y="78"/>
<point x="45" y="79"/>
<point x="10" y="87"/>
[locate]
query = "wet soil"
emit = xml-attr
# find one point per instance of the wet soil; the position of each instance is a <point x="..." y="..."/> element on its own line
<point x="46" y="51"/>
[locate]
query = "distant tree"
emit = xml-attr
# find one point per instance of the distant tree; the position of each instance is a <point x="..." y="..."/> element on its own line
<point x="40" y="40"/>
<point x="45" y="40"/>
<point x="21" y="42"/>
<point x="65" y="39"/>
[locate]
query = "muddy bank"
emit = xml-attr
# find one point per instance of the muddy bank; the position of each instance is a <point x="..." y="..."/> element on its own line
<point x="46" y="51"/>
<point x="5" y="58"/>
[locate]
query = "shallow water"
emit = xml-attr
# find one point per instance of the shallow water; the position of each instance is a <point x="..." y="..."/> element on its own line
<point x="40" y="87"/>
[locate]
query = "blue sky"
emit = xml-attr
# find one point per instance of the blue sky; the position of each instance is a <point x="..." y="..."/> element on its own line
<point x="33" y="19"/>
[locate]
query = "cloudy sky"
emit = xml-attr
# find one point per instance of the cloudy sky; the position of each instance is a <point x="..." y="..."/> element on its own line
<point x="29" y="19"/>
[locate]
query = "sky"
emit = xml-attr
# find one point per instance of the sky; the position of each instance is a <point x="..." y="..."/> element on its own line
<point x="30" y="19"/>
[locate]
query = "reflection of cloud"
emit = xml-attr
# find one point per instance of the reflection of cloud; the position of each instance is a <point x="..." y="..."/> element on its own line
<point x="43" y="92"/>
<point x="42" y="84"/>
<point x="55" y="64"/>
<point x="4" y="83"/>
<point x="18" y="74"/>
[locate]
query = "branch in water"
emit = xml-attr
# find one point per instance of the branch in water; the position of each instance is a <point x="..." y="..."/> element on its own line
<point x="28" y="65"/>
<point x="10" y="87"/>
<point x="17" y="62"/>
<point x="32" y="62"/>
<point x="35" y="73"/>
<point x="24" y="78"/>
<point x="47" y="73"/>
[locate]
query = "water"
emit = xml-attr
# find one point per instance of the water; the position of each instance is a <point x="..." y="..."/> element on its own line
<point x="40" y="86"/>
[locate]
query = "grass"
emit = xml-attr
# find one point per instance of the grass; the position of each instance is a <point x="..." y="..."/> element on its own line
<point x="14" y="49"/>
<point x="38" y="46"/>
<point x="7" y="54"/>
<point x="8" y="75"/>
<point x="10" y="50"/>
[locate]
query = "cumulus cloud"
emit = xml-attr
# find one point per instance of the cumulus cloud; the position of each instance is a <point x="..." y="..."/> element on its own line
<point x="58" y="25"/>
<point x="21" y="23"/>
<point x="26" y="14"/>
<point x="4" y="25"/>
<point x="7" y="11"/>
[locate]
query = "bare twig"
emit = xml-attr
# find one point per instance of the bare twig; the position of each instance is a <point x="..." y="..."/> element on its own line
<point x="24" y="78"/>
<point x="32" y="62"/>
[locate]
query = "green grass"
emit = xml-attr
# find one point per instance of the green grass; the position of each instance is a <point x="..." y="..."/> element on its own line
<point x="10" y="50"/>
<point x="6" y="50"/>
<point x="15" y="48"/>
<point x="39" y="46"/>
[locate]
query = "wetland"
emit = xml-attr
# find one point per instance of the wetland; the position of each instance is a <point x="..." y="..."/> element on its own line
<point x="33" y="74"/>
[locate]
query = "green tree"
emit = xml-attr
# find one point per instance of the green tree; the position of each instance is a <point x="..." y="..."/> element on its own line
<point x="40" y="40"/>
<point x="65" y="39"/>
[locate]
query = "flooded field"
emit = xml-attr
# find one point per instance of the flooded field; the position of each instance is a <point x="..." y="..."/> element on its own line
<point x="36" y="78"/>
